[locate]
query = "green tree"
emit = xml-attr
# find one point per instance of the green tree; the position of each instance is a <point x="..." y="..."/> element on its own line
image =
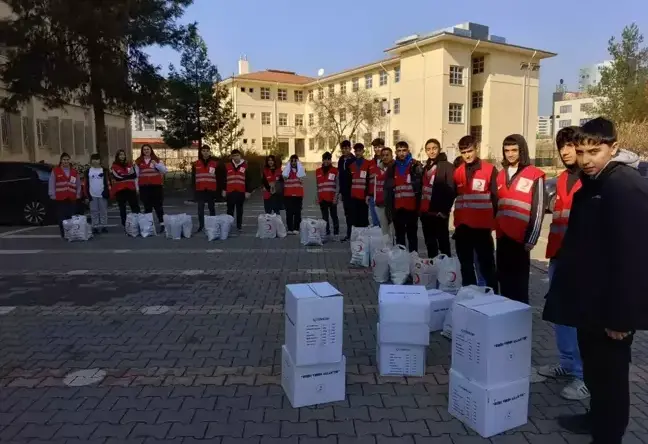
<point x="225" y="129"/>
<point x="88" y="52"/>
<point x="622" y="90"/>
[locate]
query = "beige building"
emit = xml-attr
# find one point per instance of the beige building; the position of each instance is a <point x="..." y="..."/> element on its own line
<point x="38" y="134"/>
<point x="572" y="109"/>
<point x="456" y="81"/>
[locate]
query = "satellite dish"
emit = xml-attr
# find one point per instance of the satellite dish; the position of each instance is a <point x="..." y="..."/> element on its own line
<point x="320" y="72"/>
<point x="562" y="81"/>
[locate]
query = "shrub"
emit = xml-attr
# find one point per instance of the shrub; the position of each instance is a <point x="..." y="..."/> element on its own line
<point x="634" y="136"/>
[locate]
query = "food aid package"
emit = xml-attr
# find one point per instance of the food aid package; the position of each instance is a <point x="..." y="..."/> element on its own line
<point x="77" y="229"/>
<point x="464" y="294"/>
<point x="424" y="272"/>
<point x="399" y="264"/>
<point x="173" y="226"/>
<point x="377" y="243"/>
<point x="225" y="221"/>
<point x="266" y="227"/>
<point x="281" y="228"/>
<point x="309" y="232"/>
<point x="132" y="224"/>
<point x="380" y="265"/>
<point x="360" y="252"/>
<point x="357" y="232"/>
<point x="212" y="228"/>
<point x="187" y="225"/>
<point x="321" y="226"/>
<point x="147" y="225"/>
<point x="449" y="273"/>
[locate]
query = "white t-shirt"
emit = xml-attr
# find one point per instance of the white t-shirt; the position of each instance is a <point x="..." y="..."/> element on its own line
<point x="96" y="179"/>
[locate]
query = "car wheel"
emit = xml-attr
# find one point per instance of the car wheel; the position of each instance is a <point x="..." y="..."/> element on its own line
<point x="34" y="213"/>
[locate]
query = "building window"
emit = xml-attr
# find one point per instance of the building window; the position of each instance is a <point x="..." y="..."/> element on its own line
<point x="321" y="143"/>
<point x="266" y="143"/>
<point x="476" y="132"/>
<point x="242" y="89"/>
<point x="299" y="96"/>
<point x="381" y="135"/>
<point x="310" y="95"/>
<point x="564" y="109"/>
<point x="355" y="84"/>
<point x="252" y="116"/>
<point x="331" y="90"/>
<point x="396" y="106"/>
<point x="282" y="94"/>
<point x="342" y="87"/>
<point x="4" y="128"/>
<point x="455" y="113"/>
<point x="265" y="119"/>
<point x="250" y="90"/>
<point x="283" y="119"/>
<point x="243" y="115"/>
<point x="456" y="75"/>
<point x="366" y="139"/>
<point x="397" y="74"/>
<point x="343" y="115"/>
<point x="311" y="144"/>
<point x="383" y="78"/>
<point x="265" y="93"/>
<point x="299" y="120"/>
<point x="41" y="129"/>
<point x="244" y="141"/>
<point x="368" y="81"/>
<point x="564" y="123"/>
<point x="586" y="107"/>
<point x="320" y="93"/>
<point x="311" y="119"/>
<point x="477" y="99"/>
<point x="477" y="65"/>
<point x="584" y="121"/>
<point x="253" y="142"/>
<point x="395" y="136"/>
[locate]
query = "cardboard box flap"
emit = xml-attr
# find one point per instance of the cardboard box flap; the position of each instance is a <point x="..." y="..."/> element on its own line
<point x="493" y="305"/>
<point x="324" y="289"/>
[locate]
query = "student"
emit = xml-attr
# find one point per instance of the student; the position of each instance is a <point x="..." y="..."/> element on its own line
<point x="64" y="188"/>
<point x="570" y="365"/>
<point x="358" y="175"/>
<point x="124" y="185"/>
<point x="377" y="190"/>
<point x="205" y="180"/>
<point x="377" y="145"/>
<point x="328" y="192"/>
<point x="272" y="181"/>
<point x="237" y="187"/>
<point x="97" y="192"/>
<point x="598" y="285"/>
<point x="402" y="191"/>
<point x="293" y="175"/>
<point x="474" y="214"/>
<point x="345" y="162"/>
<point x="438" y="195"/>
<point x="150" y="179"/>
<point x="520" y="211"/>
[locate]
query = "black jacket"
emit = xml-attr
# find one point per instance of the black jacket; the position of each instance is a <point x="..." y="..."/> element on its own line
<point x="106" y="189"/>
<point x="344" y="174"/>
<point x="443" y="188"/>
<point x="600" y="276"/>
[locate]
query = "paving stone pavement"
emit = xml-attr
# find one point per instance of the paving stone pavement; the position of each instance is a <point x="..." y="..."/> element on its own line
<point x="207" y="369"/>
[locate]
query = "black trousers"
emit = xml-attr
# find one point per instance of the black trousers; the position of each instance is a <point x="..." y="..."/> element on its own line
<point x="359" y="214"/>
<point x="153" y="199"/>
<point x="513" y="268"/>
<point x="329" y="208"/>
<point x="476" y="241"/>
<point x="273" y="204"/>
<point x="436" y="234"/>
<point x="129" y="197"/>
<point x="65" y="209"/>
<point x="348" y="214"/>
<point x="406" y="226"/>
<point x="293" y="212"/>
<point x="235" y="201"/>
<point x="205" y="197"/>
<point x="606" y="368"/>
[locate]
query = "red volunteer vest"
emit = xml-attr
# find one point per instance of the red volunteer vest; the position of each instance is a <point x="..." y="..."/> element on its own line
<point x="377" y="185"/>
<point x="359" y="177"/>
<point x="428" y="185"/>
<point x="474" y="206"/>
<point x="514" y="203"/>
<point x="65" y="187"/>
<point x="148" y="175"/>
<point x="236" y="177"/>
<point x="404" y="197"/>
<point x="561" y="212"/>
<point x="272" y="178"/>
<point x="205" y="175"/>
<point x="293" y="186"/>
<point x="122" y="170"/>
<point x="326" y="184"/>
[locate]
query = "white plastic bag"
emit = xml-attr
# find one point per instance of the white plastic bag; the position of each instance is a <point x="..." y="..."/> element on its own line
<point x="173" y="226"/>
<point x="321" y="227"/>
<point x="212" y="228"/>
<point x="399" y="264"/>
<point x="449" y="273"/>
<point x="356" y="232"/>
<point x="464" y="294"/>
<point x="187" y="225"/>
<point x="377" y="243"/>
<point x="77" y="229"/>
<point x="147" y="225"/>
<point x="309" y="232"/>
<point x="360" y="252"/>
<point x="266" y="227"/>
<point x="281" y="228"/>
<point x="132" y="224"/>
<point x="424" y="272"/>
<point x="380" y="265"/>
<point x="225" y="221"/>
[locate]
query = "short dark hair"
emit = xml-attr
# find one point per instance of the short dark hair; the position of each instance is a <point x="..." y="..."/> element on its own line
<point x="205" y="147"/>
<point x="95" y="156"/>
<point x="327" y="156"/>
<point x="596" y="132"/>
<point x="235" y="151"/>
<point x="466" y="142"/>
<point x="358" y="146"/>
<point x="402" y="144"/>
<point x="378" y="142"/>
<point x="386" y="149"/>
<point x="567" y="135"/>
<point x="294" y="157"/>
<point x="345" y="144"/>
<point x="510" y="141"/>
<point x="434" y="141"/>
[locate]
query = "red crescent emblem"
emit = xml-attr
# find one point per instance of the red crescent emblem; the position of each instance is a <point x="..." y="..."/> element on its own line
<point x="314" y="230"/>
<point x="373" y="263"/>
<point x="454" y="276"/>
<point x="359" y="248"/>
<point x="269" y="227"/>
<point x="417" y="279"/>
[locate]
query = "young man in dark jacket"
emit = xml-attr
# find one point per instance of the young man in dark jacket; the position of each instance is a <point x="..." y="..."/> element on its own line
<point x="598" y="285"/>
<point x="346" y="159"/>
<point x="437" y="197"/>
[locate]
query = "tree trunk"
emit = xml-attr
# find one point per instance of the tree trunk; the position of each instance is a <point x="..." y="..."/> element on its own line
<point x="99" y="108"/>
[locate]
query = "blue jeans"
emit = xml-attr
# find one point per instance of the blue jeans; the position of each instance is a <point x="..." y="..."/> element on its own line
<point x="480" y="279"/>
<point x="567" y="342"/>
<point x="372" y="211"/>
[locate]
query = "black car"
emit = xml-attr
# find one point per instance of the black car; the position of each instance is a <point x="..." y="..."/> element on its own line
<point x="24" y="195"/>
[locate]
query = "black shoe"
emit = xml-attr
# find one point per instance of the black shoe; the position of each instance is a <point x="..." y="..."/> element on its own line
<point x="200" y="229"/>
<point x="344" y="239"/>
<point x="104" y="230"/>
<point x="577" y="424"/>
<point x="95" y="231"/>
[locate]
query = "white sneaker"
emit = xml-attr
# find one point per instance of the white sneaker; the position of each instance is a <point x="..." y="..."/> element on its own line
<point x="575" y="391"/>
<point x="554" y="371"/>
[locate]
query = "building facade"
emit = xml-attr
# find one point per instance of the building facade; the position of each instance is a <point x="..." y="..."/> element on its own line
<point x="590" y="76"/>
<point x="572" y="109"/>
<point x="543" y="129"/>
<point x="444" y="85"/>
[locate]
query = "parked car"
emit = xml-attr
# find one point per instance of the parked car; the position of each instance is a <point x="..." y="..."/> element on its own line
<point x="23" y="193"/>
<point x="550" y="187"/>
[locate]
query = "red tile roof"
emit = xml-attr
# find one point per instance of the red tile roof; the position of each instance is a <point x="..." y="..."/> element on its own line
<point x="275" y="75"/>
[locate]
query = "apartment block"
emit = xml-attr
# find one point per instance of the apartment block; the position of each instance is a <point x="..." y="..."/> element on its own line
<point x="572" y="109"/>
<point x="446" y="84"/>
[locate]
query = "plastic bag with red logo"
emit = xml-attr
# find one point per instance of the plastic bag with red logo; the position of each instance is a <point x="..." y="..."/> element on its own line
<point x="399" y="264"/>
<point x="212" y="228"/>
<point x="424" y="272"/>
<point x="266" y="227"/>
<point x="380" y="265"/>
<point x="449" y="273"/>
<point x="309" y="233"/>
<point x="281" y="228"/>
<point x="464" y="294"/>
<point x="360" y="252"/>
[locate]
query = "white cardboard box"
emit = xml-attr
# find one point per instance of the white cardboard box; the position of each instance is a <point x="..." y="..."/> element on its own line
<point x="488" y="411"/>
<point x="410" y="334"/>
<point x="440" y="303"/>
<point x="403" y="304"/>
<point x="312" y="384"/>
<point x="491" y="340"/>
<point x="400" y="359"/>
<point x="314" y="317"/>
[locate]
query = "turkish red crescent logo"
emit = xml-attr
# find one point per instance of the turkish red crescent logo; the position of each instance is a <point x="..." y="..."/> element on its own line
<point x="373" y="263"/>
<point x="417" y="279"/>
<point x="269" y="227"/>
<point x="314" y="230"/>
<point x="359" y="248"/>
<point x="454" y="276"/>
<point x="418" y="265"/>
